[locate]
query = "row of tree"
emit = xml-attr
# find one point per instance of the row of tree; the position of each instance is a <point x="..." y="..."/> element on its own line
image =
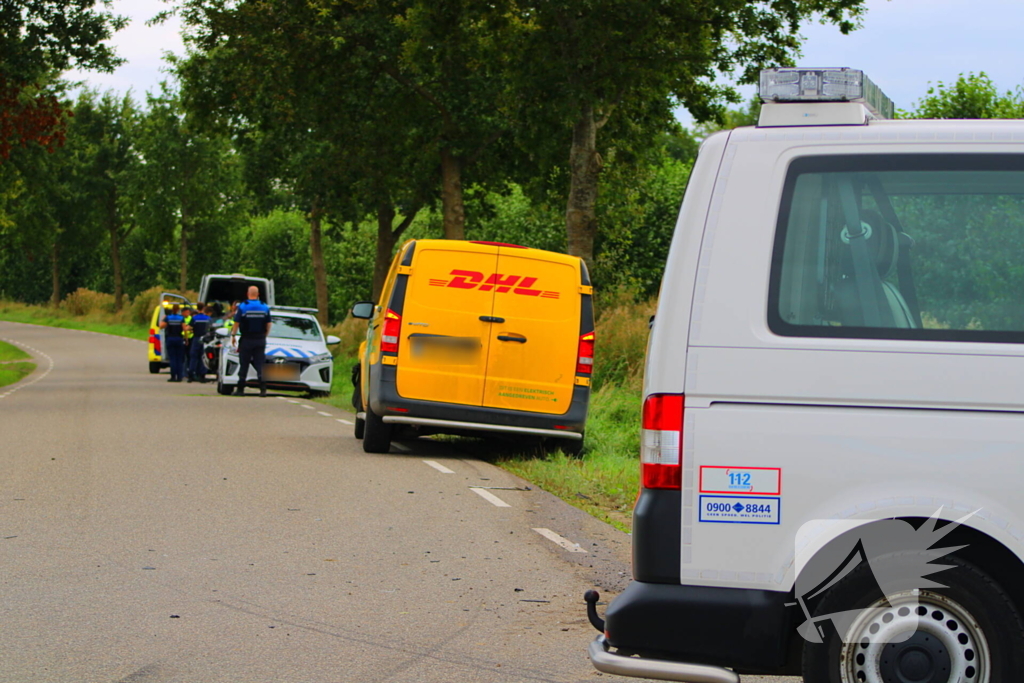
<point x="304" y="138"/>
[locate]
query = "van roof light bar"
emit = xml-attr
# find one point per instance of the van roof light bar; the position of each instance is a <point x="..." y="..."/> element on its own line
<point x="840" y="84"/>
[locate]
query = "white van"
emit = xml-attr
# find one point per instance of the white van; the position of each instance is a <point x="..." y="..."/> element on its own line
<point x="834" y="404"/>
<point x="226" y="289"/>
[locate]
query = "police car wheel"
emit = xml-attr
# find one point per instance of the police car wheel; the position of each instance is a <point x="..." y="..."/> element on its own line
<point x="966" y="630"/>
<point x="154" y="368"/>
<point x="224" y="389"/>
<point x="376" y="433"/>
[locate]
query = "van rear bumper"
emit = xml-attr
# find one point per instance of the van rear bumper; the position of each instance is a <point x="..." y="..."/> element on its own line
<point x="745" y="629"/>
<point x="386" y="402"/>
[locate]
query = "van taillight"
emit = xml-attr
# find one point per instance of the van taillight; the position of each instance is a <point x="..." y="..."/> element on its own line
<point x="585" y="355"/>
<point x="392" y="328"/>
<point x="661" y="462"/>
<point x="154" y="339"/>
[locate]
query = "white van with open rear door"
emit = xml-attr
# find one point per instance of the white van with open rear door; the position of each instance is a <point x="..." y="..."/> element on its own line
<point x="833" y="419"/>
<point x="226" y="289"/>
<point x="477" y="337"/>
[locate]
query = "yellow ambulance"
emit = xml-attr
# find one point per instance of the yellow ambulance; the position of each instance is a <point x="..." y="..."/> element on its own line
<point x="476" y="337"/>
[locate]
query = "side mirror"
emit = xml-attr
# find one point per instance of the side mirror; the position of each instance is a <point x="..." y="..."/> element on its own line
<point x="363" y="309"/>
<point x="331" y="339"/>
<point x="223" y="332"/>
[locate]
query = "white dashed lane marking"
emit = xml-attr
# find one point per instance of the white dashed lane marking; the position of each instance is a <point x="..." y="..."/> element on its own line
<point x="307" y="407"/>
<point x="489" y="497"/>
<point x="21" y="385"/>
<point x="320" y="412"/>
<point x="560" y="540"/>
<point x="439" y="467"/>
<point x="344" y="422"/>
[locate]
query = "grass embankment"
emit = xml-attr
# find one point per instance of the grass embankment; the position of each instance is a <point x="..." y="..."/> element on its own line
<point x="13" y="364"/>
<point x="603" y="482"/>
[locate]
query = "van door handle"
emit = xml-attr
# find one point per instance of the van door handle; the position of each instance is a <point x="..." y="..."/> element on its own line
<point x="505" y="337"/>
<point x="491" y="319"/>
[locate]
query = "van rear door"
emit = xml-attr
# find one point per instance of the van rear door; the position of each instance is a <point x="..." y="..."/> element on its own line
<point x="442" y="352"/>
<point x="531" y="360"/>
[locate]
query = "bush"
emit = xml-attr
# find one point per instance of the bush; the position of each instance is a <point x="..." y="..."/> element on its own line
<point x="84" y="301"/>
<point x="352" y="332"/>
<point x="144" y="303"/>
<point x="622" y="328"/>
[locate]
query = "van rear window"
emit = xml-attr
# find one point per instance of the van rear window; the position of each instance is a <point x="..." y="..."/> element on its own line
<point x="922" y="246"/>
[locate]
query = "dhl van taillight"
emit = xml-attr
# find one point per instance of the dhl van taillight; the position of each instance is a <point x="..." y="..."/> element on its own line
<point x="585" y="355"/>
<point x="392" y="330"/>
<point x="154" y="339"/>
<point x="661" y="462"/>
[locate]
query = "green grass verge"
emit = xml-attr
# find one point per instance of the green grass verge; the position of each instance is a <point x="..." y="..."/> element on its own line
<point x="605" y="481"/>
<point x="10" y="352"/>
<point x="14" y="372"/>
<point x="40" y="315"/>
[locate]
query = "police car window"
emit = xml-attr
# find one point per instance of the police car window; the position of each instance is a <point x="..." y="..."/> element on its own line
<point x="922" y="246"/>
<point x="294" y="328"/>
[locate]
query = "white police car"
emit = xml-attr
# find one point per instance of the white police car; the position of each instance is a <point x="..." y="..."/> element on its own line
<point x="297" y="356"/>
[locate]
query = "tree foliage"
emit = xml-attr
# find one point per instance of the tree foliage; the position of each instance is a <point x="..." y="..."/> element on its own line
<point x="973" y="96"/>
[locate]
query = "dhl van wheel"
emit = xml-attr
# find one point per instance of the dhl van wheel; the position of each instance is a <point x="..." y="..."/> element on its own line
<point x="966" y="631"/>
<point x="376" y="433"/>
<point x="154" y="367"/>
<point x="357" y="403"/>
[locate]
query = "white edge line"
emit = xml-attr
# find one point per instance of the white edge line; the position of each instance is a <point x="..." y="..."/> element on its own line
<point x="439" y="467"/>
<point x="560" y="540"/>
<point x="489" y="497"/>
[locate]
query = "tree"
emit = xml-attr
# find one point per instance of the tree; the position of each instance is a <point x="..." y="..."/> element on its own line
<point x="38" y="39"/>
<point x="585" y="64"/>
<point x="110" y="124"/>
<point x="971" y="97"/>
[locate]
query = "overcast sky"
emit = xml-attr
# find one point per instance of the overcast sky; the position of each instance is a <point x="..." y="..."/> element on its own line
<point x="904" y="45"/>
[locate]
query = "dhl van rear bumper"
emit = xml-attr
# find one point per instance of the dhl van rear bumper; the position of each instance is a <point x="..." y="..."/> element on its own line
<point x="393" y="408"/>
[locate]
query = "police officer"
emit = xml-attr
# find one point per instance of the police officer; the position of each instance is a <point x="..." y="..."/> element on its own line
<point x="173" y="326"/>
<point x="252" y="319"/>
<point x="197" y="327"/>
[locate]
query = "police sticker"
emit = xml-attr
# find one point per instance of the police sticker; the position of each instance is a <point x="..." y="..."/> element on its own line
<point x="740" y="509"/>
<point x="766" y="481"/>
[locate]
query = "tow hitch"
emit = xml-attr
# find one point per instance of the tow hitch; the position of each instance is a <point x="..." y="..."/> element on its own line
<point x="591" y="598"/>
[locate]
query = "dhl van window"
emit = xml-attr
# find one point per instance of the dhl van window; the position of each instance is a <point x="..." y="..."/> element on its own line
<point x="913" y="246"/>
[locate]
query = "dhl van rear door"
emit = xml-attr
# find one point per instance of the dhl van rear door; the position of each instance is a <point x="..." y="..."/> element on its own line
<point x="531" y="361"/>
<point x="442" y="354"/>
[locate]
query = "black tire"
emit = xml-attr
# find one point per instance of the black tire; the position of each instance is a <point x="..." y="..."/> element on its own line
<point x="357" y="403"/>
<point x="571" y="447"/>
<point x="969" y="605"/>
<point x="154" y="367"/>
<point x="224" y="389"/>
<point x="376" y="433"/>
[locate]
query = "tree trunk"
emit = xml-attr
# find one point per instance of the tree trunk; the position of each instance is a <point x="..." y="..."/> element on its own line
<point x="386" y="239"/>
<point x="319" y="267"/>
<point x="115" y="251"/>
<point x="452" y="209"/>
<point x="584" y="169"/>
<point x="183" y="252"/>
<point x="55" y="273"/>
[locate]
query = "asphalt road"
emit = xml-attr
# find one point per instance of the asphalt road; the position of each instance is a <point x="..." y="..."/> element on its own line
<point x="155" y="532"/>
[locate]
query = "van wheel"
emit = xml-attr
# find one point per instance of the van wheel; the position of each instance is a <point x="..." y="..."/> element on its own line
<point x="967" y="630"/>
<point x="571" y="447"/>
<point x="224" y="389"/>
<point x="376" y="433"/>
<point x="154" y="368"/>
<point x="357" y="403"/>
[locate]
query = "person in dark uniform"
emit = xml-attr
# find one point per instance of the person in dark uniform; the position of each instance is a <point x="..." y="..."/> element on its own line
<point x="173" y="326"/>
<point x="252" y="319"/>
<point x="198" y="327"/>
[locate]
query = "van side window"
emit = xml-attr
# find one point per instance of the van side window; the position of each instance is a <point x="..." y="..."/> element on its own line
<point x="922" y="246"/>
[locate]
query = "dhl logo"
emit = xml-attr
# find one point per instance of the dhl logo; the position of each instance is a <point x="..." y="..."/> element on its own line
<point x="517" y="284"/>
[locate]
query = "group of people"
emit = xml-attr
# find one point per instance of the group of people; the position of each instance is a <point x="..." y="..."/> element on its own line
<point x="184" y="328"/>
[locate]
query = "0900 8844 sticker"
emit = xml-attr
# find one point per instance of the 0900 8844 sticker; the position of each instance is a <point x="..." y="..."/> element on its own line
<point x="740" y="510"/>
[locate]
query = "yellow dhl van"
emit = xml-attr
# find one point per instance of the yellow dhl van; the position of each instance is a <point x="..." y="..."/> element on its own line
<point x="472" y="337"/>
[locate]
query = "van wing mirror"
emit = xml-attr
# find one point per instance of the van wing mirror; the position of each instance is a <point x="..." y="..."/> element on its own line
<point x="331" y="339"/>
<point x="363" y="309"/>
